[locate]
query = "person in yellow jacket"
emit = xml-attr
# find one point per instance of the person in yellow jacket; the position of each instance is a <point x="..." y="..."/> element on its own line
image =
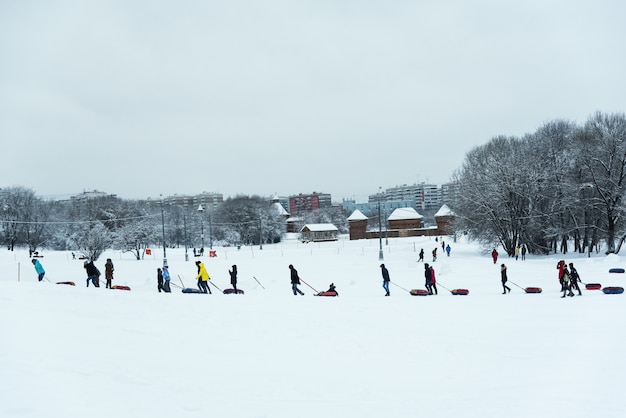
<point x="203" y="278"/>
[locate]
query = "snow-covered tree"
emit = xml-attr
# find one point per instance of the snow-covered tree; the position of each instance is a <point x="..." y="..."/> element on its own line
<point x="23" y="218"/>
<point x="331" y="215"/>
<point x="489" y="202"/>
<point x="603" y="160"/>
<point x="248" y="220"/>
<point x="559" y="183"/>
<point x="549" y="162"/>
<point x="136" y="235"/>
<point x="93" y="238"/>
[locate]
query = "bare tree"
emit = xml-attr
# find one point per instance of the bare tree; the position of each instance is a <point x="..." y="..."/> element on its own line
<point x="23" y="218"/>
<point x="603" y="157"/>
<point x="93" y="238"/>
<point x="249" y="220"/>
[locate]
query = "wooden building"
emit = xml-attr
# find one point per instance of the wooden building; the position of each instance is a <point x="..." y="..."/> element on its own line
<point x="319" y="232"/>
<point x="358" y="225"/>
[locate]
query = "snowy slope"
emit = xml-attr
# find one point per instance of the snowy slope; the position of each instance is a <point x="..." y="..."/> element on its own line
<point x="77" y="351"/>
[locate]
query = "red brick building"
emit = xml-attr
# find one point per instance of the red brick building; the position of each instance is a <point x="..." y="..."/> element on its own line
<point x="308" y="202"/>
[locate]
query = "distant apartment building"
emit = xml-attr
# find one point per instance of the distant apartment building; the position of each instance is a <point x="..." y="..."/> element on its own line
<point x="208" y="201"/>
<point x="450" y="193"/>
<point x="93" y="194"/>
<point x="423" y="197"/>
<point x="426" y="196"/>
<point x="308" y="202"/>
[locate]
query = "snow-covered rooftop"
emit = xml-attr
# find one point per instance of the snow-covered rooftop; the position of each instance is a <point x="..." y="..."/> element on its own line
<point x="280" y="209"/>
<point x="320" y="227"/>
<point x="357" y="215"/>
<point x="444" y="211"/>
<point x="404" y="213"/>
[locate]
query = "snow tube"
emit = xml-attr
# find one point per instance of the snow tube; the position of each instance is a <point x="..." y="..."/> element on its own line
<point x="327" y="294"/>
<point x="120" y="287"/>
<point x="613" y="290"/>
<point x="68" y="283"/>
<point x="232" y="292"/>
<point x="616" y="270"/>
<point x="460" y="291"/>
<point x="191" y="290"/>
<point x="593" y="286"/>
<point x="419" y="292"/>
<point x="533" y="290"/>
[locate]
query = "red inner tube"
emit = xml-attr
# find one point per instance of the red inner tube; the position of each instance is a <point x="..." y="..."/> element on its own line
<point x="327" y="294"/>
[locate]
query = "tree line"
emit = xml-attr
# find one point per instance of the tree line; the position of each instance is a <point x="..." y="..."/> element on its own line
<point x="561" y="185"/>
<point x="92" y="226"/>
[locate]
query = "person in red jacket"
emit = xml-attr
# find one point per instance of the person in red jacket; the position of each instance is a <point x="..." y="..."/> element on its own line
<point x="433" y="280"/>
<point x="560" y="266"/>
<point x="494" y="255"/>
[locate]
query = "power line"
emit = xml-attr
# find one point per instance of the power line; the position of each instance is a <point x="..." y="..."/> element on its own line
<point x="76" y="222"/>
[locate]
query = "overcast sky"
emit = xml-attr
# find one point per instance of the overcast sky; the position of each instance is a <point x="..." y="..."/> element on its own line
<point x="141" y="98"/>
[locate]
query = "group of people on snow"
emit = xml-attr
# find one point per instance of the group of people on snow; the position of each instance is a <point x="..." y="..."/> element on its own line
<point x="163" y="280"/>
<point x="429" y="275"/>
<point x="568" y="278"/>
<point x="431" y="282"/>
<point x="93" y="274"/>
<point x="202" y="278"/>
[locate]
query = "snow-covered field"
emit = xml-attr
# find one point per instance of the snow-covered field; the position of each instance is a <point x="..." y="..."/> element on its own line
<point x="73" y="351"/>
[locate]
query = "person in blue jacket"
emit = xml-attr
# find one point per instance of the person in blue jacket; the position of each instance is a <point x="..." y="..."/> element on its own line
<point x="39" y="269"/>
<point x="166" y="280"/>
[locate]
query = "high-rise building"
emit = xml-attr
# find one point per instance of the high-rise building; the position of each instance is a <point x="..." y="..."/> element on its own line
<point x="308" y="202"/>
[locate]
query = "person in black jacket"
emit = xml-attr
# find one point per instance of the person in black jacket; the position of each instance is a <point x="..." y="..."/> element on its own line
<point x="428" y="275"/>
<point x="295" y="280"/>
<point x="160" y="280"/>
<point x="504" y="279"/>
<point x="567" y="283"/>
<point x="233" y="277"/>
<point x="93" y="273"/>
<point x="575" y="278"/>
<point x="386" y="279"/>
